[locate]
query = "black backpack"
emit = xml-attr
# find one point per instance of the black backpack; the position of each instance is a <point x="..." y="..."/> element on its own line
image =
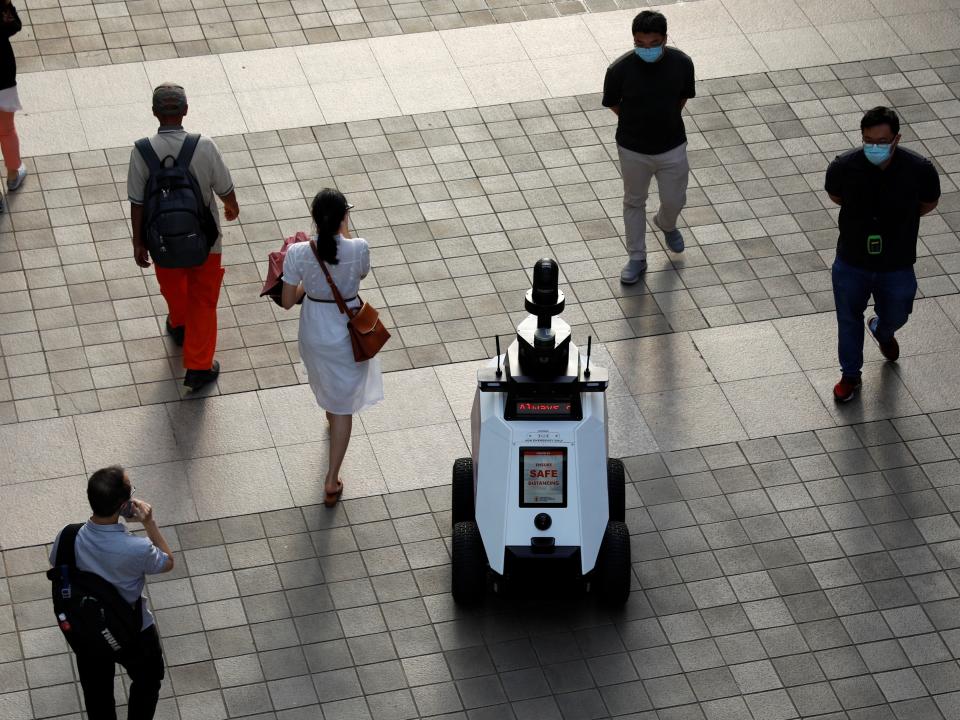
<point x="178" y="227"/>
<point x="90" y="611"/>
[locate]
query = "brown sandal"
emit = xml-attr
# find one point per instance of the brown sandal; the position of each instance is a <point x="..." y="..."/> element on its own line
<point x="330" y="499"/>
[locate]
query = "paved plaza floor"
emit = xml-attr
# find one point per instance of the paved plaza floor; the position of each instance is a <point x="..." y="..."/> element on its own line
<point x="792" y="558"/>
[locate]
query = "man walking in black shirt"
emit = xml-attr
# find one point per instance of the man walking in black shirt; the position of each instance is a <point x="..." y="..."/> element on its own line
<point x="647" y="89"/>
<point x="882" y="191"/>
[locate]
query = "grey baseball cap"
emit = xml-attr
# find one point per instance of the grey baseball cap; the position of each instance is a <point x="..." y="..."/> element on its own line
<point x="169" y="99"/>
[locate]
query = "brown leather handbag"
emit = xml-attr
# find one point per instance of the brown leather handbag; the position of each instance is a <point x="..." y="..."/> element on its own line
<point x="367" y="333"/>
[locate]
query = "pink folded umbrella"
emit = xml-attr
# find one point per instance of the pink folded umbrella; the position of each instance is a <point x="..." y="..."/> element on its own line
<point x="273" y="285"/>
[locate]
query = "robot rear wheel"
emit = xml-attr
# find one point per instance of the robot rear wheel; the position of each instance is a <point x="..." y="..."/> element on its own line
<point x="462" y="503"/>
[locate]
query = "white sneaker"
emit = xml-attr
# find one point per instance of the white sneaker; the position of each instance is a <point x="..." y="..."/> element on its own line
<point x="632" y="271"/>
<point x="18" y="179"/>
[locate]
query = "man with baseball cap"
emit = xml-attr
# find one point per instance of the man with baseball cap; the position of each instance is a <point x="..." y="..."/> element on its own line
<point x="191" y="292"/>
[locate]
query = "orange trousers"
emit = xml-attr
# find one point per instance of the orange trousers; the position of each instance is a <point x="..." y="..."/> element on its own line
<point x="9" y="142"/>
<point x="191" y="295"/>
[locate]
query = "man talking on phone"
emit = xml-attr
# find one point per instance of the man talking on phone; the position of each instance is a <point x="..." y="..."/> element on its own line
<point x="104" y="546"/>
<point x="882" y="190"/>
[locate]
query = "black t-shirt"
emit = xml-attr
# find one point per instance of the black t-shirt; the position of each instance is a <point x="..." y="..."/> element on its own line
<point x="884" y="202"/>
<point x="649" y="96"/>
<point x="8" y="61"/>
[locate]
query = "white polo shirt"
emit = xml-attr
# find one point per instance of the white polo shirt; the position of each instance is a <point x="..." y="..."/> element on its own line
<point x="119" y="557"/>
<point x="206" y="166"/>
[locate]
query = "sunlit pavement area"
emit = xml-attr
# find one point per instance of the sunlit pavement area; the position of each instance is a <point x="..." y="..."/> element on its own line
<point x="792" y="558"/>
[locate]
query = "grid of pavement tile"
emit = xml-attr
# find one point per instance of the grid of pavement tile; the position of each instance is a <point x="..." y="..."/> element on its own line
<point x="804" y="575"/>
<point x="457" y="207"/>
<point x="62" y="34"/>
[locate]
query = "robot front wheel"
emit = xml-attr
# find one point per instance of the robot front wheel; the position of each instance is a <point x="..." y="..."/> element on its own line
<point x="469" y="567"/>
<point x="612" y="572"/>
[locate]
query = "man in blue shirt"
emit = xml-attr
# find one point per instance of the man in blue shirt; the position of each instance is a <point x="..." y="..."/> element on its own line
<point x="106" y="548"/>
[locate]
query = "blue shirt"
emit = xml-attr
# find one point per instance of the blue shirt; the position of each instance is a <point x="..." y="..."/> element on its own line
<point x="122" y="559"/>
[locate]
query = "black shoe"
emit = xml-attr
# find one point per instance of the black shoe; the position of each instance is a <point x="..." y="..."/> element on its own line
<point x="890" y="349"/>
<point x="176" y="333"/>
<point x="196" y="379"/>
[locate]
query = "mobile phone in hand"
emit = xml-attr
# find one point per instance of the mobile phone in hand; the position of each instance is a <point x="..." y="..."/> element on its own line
<point x="128" y="510"/>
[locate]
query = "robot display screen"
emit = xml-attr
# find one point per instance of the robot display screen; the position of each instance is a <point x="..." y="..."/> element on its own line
<point x="531" y="407"/>
<point x="543" y="477"/>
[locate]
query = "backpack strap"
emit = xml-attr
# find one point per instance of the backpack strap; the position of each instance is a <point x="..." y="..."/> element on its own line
<point x="66" y="546"/>
<point x="148" y="154"/>
<point x="187" y="149"/>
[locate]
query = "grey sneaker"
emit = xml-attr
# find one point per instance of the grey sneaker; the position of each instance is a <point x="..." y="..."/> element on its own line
<point x="673" y="237"/>
<point x="632" y="271"/>
<point x="18" y="179"/>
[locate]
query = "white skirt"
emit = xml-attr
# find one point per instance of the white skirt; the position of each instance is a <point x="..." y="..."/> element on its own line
<point x="341" y="385"/>
<point x="10" y="100"/>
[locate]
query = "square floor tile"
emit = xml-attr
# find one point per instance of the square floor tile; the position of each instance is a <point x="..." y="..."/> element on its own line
<point x="57" y="131"/>
<point x="278" y="108"/>
<point x="412" y="398"/>
<point x="305" y="467"/>
<point x="862" y="39"/>
<point x="202" y="75"/>
<point x="928" y="32"/>
<point x="882" y="396"/>
<point x="484" y="45"/>
<point x="933" y="380"/>
<point x="777" y="405"/>
<point x="263" y="70"/>
<point x="663" y="362"/>
<point x="239" y="483"/>
<point x="744" y="351"/>
<point x="504" y="83"/>
<point x="754" y="16"/>
<point x="133" y="436"/>
<point x="218" y="425"/>
<point x="690" y="417"/>
<point x="167" y="489"/>
<point x="419" y="457"/>
<point x="430" y="91"/>
<point x="338" y="62"/>
<point x="822" y="12"/>
<point x="356" y="99"/>
<point x="555" y="37"/>
<point x="797" y="47"/>
<point x="573" y="74"/>
<point x="107" y="85"/>
<point x="628" y="433"/>
<point x="53" y="504"/>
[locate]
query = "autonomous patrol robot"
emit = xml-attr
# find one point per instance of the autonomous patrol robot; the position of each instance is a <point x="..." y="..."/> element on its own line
<point x="539" y="489"/>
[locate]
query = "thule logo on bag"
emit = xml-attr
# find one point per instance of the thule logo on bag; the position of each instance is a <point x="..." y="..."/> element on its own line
<point x="111" y="640"/>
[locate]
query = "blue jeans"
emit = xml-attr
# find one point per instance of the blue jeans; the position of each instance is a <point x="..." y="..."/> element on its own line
<point x="893" y="293"/>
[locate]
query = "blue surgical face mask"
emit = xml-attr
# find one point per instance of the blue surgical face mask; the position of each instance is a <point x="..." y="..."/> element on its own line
<point x="878" y="154"/>
<point x="649" y="54"/>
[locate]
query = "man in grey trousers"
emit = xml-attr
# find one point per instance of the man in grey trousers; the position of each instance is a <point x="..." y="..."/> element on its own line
<point x="647" y="89"/>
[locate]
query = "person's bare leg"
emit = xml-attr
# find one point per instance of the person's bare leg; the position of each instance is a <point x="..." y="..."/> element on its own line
<point x="340" y="428"/>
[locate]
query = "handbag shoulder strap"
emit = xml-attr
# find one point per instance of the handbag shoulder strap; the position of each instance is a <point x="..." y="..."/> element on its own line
<point x="66" y="550"/>
<point x="333" y="286"/>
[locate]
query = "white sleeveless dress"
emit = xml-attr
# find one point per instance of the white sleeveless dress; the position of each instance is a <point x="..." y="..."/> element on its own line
<point x="341" y="385"/>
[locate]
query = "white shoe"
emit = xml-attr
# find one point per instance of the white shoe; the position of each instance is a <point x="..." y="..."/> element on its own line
<point x="18" y="179"/>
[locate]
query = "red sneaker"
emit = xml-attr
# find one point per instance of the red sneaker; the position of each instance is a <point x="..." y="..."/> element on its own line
<point x="845" y="390"/>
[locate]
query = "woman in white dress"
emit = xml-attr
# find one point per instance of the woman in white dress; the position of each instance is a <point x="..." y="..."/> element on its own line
<point x="341" y="384"/>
